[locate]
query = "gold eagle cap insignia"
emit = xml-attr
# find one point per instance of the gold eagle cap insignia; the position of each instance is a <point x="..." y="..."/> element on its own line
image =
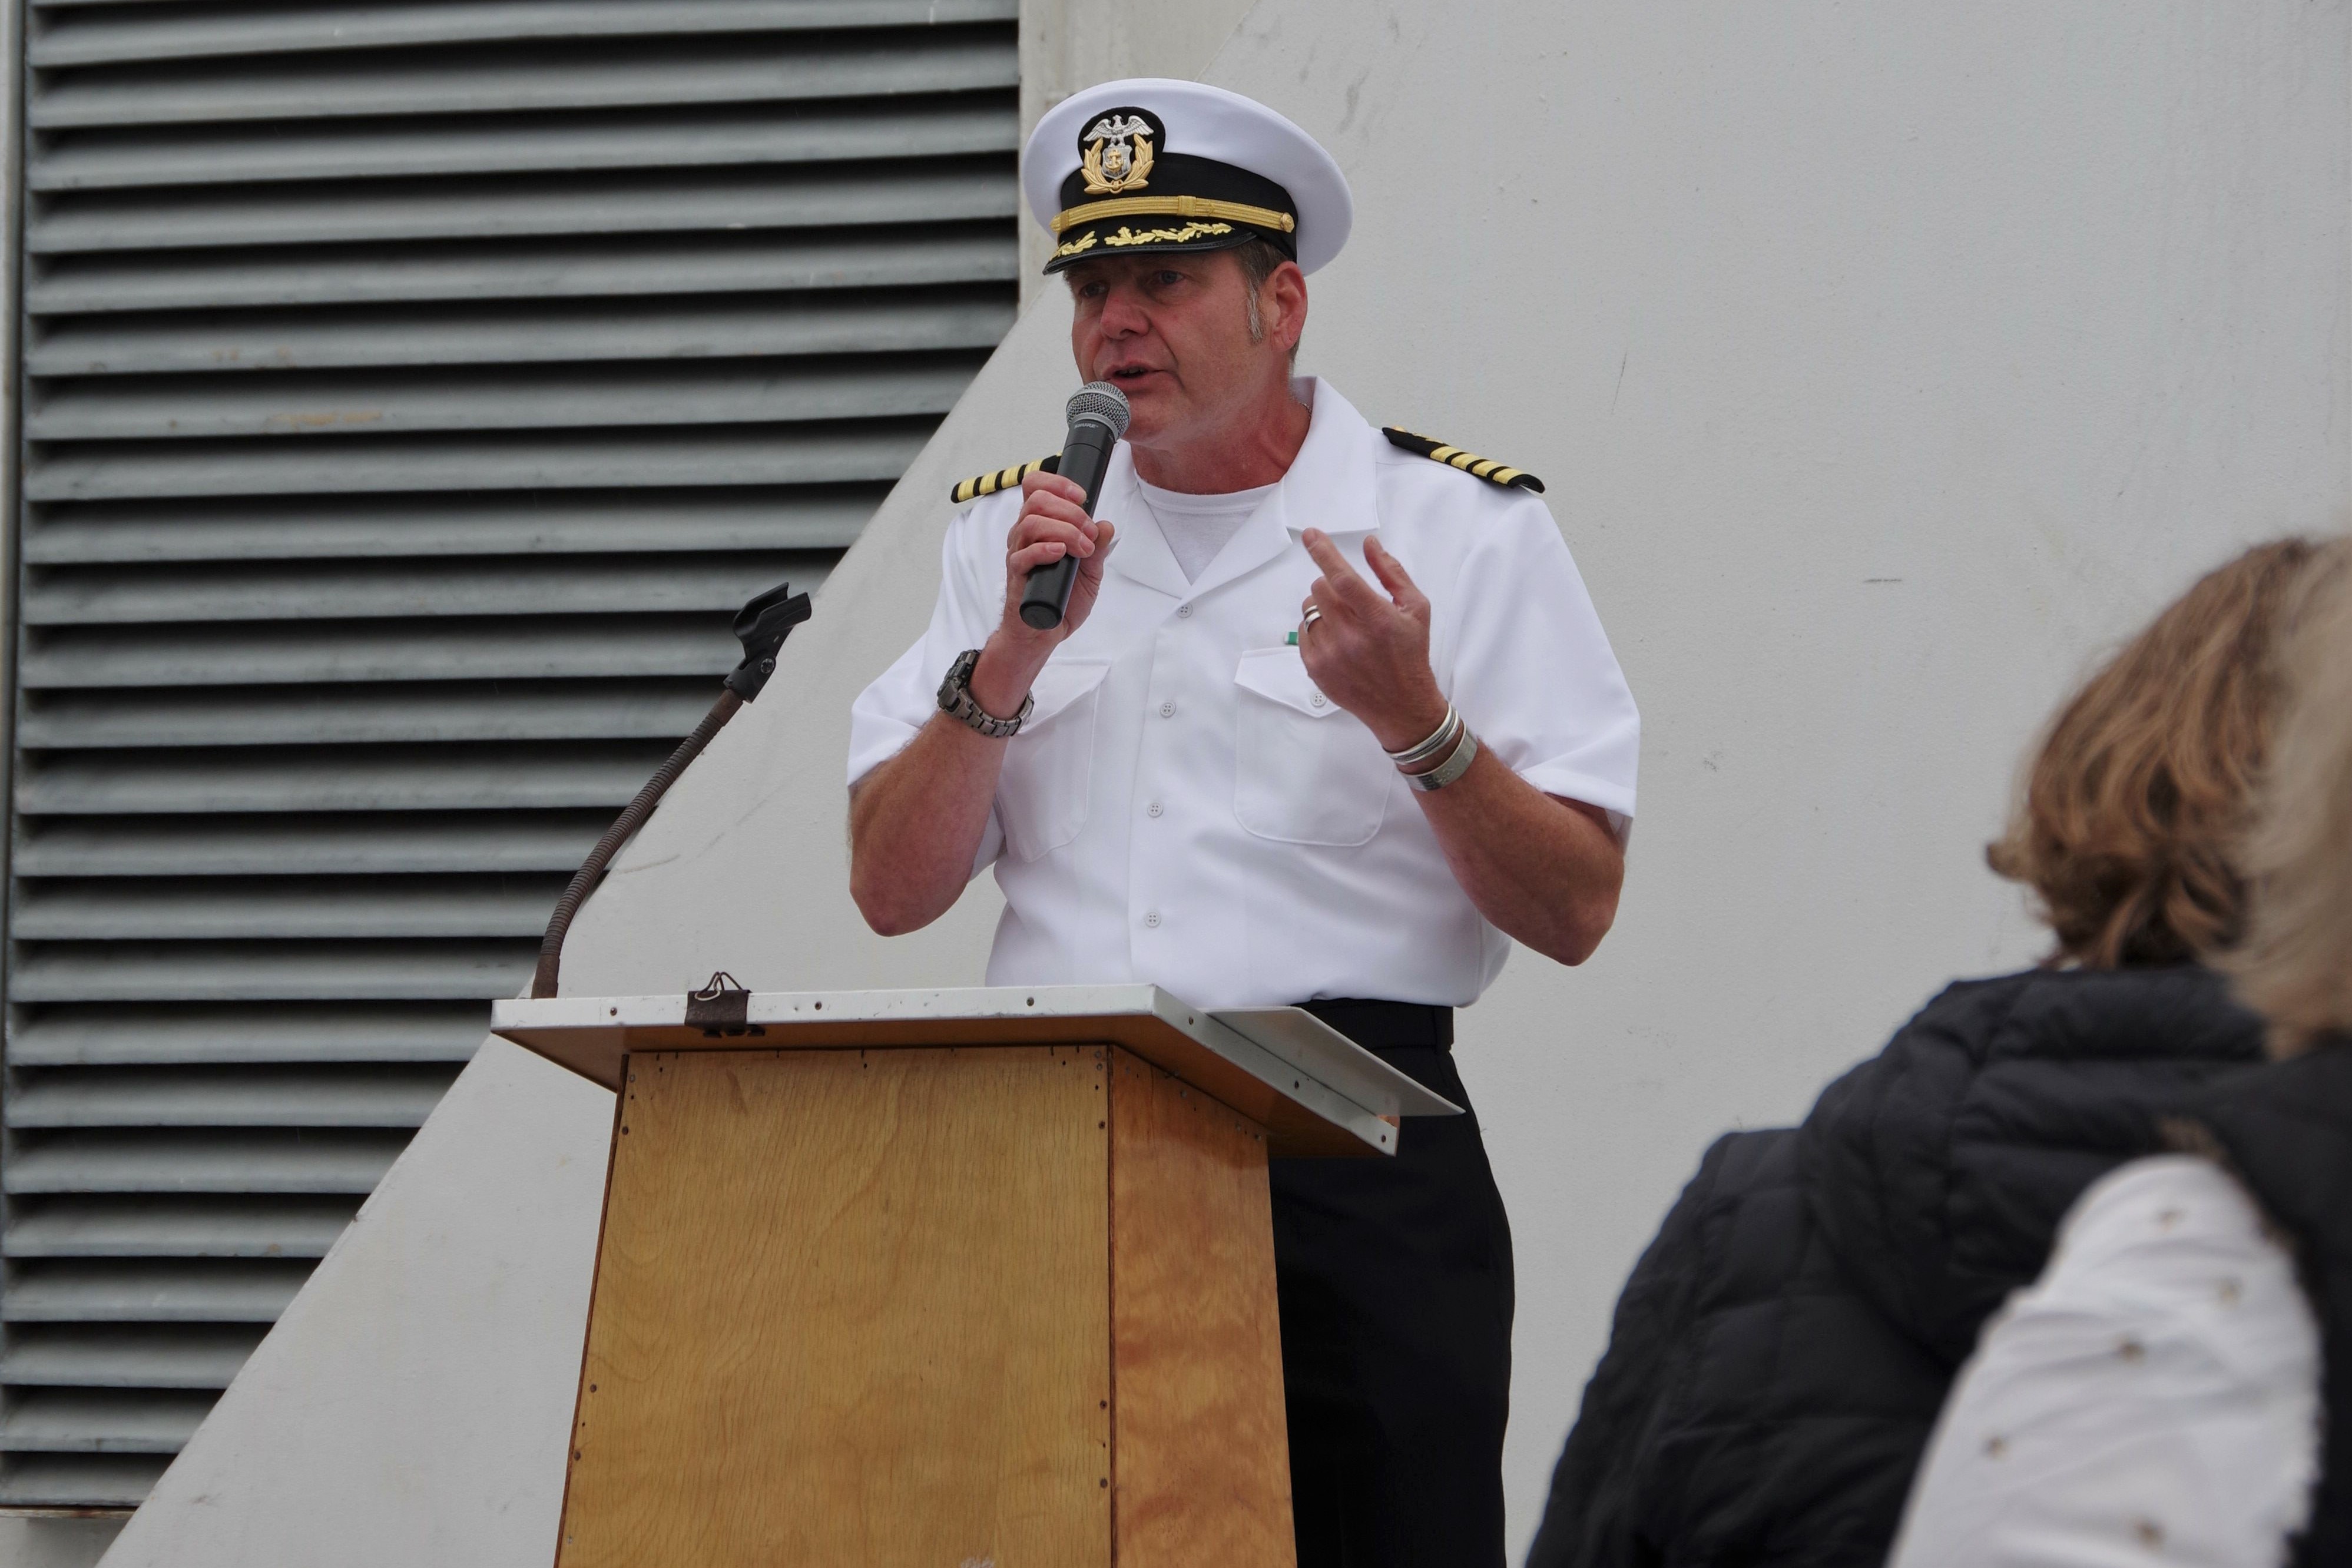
<point x="1118" y="155"/>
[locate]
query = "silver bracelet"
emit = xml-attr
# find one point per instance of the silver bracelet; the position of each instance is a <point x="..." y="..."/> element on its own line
<point x="1453" y="767"/>
<point x="1448" y="729"/>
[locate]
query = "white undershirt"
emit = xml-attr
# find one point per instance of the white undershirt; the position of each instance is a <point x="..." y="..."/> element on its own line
<point x="1197" y="526"/>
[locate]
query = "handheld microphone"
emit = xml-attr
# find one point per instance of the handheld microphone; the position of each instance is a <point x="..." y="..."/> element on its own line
<point x="1098" y="416"/>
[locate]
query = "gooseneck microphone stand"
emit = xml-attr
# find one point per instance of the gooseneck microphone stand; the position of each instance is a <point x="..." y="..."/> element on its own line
<point x="761" y="627"/>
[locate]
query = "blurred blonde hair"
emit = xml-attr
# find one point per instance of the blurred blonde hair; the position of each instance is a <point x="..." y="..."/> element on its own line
<point x="2128" y="816"/>
<point x="2295" y="965"/>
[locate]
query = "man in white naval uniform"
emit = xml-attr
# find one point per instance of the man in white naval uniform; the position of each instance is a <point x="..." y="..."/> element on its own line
<point x="1331" y="724"/>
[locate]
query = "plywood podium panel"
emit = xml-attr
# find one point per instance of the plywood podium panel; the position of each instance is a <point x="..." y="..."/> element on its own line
<point x="849" y="1309"/>
<point x="1202" y="1464"/>
<point x="973" y="1307"/>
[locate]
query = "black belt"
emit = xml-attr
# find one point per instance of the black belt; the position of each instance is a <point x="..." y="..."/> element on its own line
<point x="1387" y="1026"/>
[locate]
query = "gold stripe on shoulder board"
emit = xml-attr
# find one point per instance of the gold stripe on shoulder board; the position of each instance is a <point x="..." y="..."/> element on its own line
<point x="979" y="484"/>
<point x="1470" y="463"/>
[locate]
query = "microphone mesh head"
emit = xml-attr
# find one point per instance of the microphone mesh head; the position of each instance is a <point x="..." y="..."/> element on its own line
<point x="1100" y="402"/>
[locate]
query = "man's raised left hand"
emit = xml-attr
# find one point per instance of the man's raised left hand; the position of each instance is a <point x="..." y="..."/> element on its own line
<point x="1369" y="650"/>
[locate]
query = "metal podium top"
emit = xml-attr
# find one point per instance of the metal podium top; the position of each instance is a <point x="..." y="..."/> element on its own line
<point x="1315" y="1091"/>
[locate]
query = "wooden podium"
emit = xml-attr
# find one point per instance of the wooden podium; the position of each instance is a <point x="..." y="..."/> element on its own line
<point x="956" y="1279"/>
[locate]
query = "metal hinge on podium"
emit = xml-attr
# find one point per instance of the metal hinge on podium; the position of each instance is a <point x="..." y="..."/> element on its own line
<point x="721" y="1008"/>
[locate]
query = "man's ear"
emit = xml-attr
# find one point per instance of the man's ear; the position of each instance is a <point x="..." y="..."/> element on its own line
<point x="1283" y="299"/>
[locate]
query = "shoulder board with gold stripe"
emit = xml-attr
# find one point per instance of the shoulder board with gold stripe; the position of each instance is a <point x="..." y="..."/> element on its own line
<point x="979" y="484"/>
<point x="1486" y="468"/>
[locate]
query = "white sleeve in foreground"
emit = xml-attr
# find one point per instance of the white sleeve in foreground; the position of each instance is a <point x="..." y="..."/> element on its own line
<point x="2152" y="1399"/>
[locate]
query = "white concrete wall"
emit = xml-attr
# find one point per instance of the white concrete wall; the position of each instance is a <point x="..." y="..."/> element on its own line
<point x="1886" y="363"/>
<point x="56" y="1539"/>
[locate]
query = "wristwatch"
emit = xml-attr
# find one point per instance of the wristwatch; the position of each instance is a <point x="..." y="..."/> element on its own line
<point x="955" y="700"/>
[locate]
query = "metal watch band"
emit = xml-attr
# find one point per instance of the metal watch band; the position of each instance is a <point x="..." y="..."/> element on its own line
<point x="956" y="701"/>
<point x="1453" y="767"/>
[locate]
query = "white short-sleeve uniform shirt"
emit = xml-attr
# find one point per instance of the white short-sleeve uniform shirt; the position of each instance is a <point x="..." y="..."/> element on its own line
<point x="1183" y="806"/>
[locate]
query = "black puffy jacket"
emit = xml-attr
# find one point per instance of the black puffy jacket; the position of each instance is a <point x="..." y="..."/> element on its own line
<point x="1781" y="1350"/>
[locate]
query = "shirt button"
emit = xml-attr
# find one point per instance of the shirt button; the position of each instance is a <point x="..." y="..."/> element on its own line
<point x="1152" y="918"/>
<point x="1168" y="710"/>
<point x="1154" y="809"/>
<point x="1319" y="700"/>
<point x="1184" y="612"/>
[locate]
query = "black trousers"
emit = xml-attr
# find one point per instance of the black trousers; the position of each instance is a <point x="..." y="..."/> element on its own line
<point x="1394" y="1277"/>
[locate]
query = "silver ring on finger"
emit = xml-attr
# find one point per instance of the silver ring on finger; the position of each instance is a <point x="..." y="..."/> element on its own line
<point x="1313" y="615"/>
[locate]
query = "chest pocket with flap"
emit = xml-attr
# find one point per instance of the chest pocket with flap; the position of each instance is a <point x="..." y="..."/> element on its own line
<point x="1041" y="794"/>
<point x="1308" y="771"/>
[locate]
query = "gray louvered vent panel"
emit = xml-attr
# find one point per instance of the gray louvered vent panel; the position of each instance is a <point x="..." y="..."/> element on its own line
<point x="413" y="388"/>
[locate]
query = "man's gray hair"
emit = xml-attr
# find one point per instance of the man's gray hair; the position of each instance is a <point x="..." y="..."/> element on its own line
<point x="1258" y="259"/>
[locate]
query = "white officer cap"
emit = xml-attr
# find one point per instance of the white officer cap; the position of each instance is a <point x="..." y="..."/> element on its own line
<point x="1149" y="164"/>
